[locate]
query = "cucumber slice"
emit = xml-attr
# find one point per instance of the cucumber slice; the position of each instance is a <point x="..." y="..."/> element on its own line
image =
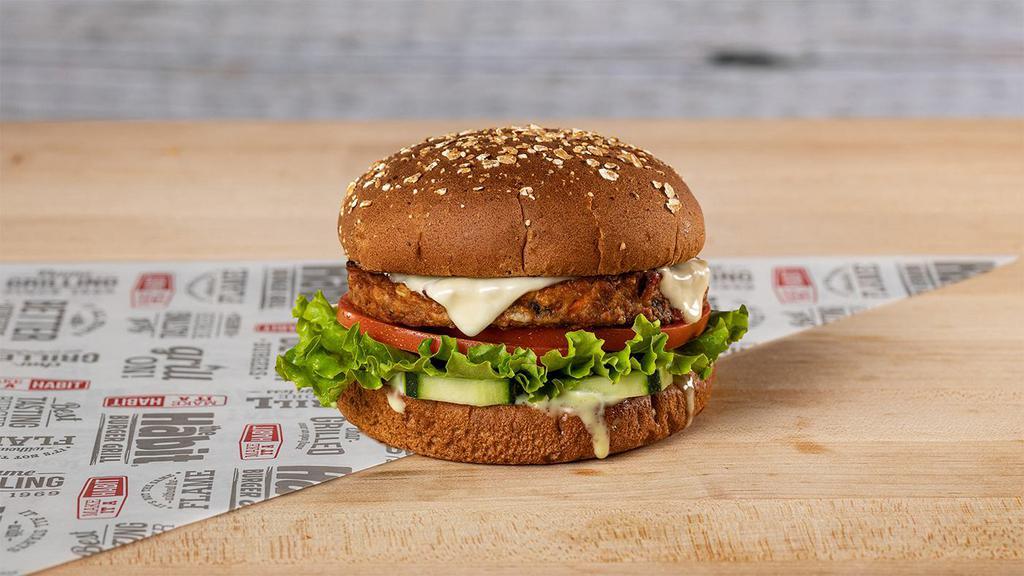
<point x="455" y="390"/>
<point x="494" y="392"/>
<point x="409" y="384"/>
<point x="629" y="386"/>
<point x="658" y="381"/>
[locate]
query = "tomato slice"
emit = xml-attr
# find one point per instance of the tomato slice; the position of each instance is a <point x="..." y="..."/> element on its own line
<point x="540" y="340"/>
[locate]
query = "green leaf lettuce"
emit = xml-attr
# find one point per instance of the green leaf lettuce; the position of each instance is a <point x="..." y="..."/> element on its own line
<point x="329" y="357"/>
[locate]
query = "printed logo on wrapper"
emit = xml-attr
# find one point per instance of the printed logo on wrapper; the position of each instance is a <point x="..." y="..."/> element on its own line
<point x="275" y="327"/>
<point x="224" y="286"/>
<point x="251" y="485"/>
<point x="36" y="411"/>
<point x="36" y="426"/>
<point x="181" y="490"/>
<point x="113" y="534"/>
<point x="260" y="442"/>
<point x="61" y="283"/>
<point x="324" y="436"/>
<point x="25" y="446"/>
<point x="38" y="320"/>
<point x="153" y="290"/>
<point x="22" y="528"/>
<point x="793" y="285"/>
<point x="186" y="324"/>
<point x="732" y="278"/>
<point x="283" y="399"/>
<point x="102" y="497"/>
<point x="6" y="314"/>
<point x="43" y="384"/>
<point x="171" y="363"/>
<point x="153" y="437"/>
<point x="918" y="277"/>
<point x="282" y="284"/>
<point x="819" y="315"/>
<point x="166" y="401"/>
<point x="264" y="354"/>
<point x="30" y="483"/>
<point x="47" y="358"/>
<point x="857" y="280"/>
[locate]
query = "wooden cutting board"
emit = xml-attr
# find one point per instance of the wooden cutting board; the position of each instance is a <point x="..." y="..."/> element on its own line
<point x="892" y="441"/>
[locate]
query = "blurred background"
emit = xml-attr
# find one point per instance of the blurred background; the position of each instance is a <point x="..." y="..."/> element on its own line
<point x="105" y="59"/>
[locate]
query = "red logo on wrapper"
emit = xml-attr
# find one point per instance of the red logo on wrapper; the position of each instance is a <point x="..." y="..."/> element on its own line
<point x="275" y="327"/>
<point x="260" y="442"/>
<point x="793" y="285"/>
<point x="153" y="289"/>
<point x="44" y="384"/>
<point x="166" y="401"/>
<point x="102" y="497"/>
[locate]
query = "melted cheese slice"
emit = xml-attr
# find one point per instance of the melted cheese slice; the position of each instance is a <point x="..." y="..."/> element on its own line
<point x="685" y="285"/>
<point x="473" y="303"/>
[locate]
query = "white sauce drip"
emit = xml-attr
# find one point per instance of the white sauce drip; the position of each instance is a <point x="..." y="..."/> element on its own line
<point x="396" y="394"/>
<point x="588" y="407"/>
<point x="686" y="383"/>
<point x="685" y="285"/>
<point x="473" y="303"/>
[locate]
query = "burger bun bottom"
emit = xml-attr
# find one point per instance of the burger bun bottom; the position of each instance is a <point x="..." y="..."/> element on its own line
<point x="518" y="434"/>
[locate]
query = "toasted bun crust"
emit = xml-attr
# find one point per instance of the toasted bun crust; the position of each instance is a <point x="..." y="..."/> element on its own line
<point x="520" y="202"/>
<point x="515" y="434"/>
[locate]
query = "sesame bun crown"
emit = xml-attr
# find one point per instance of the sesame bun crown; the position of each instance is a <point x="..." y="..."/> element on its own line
<point x="520" y="202"/>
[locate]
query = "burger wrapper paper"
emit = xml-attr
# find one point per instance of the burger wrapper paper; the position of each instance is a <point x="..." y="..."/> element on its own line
<point x="139" y="397"/>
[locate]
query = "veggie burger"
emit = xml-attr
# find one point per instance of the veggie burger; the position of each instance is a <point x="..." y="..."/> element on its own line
<point x="517" y="295"/>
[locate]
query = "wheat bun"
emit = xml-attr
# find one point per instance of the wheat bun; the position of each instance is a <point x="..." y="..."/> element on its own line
<point x="517" y="434"/>
<point x="520" y="201"/>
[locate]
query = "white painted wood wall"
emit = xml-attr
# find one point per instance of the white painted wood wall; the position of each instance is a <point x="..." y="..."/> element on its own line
<point x="64" y="59"/>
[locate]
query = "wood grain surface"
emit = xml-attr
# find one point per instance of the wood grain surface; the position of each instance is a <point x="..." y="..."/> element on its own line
<point x="96" y="59"/>
<point x="892" y="441"/>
